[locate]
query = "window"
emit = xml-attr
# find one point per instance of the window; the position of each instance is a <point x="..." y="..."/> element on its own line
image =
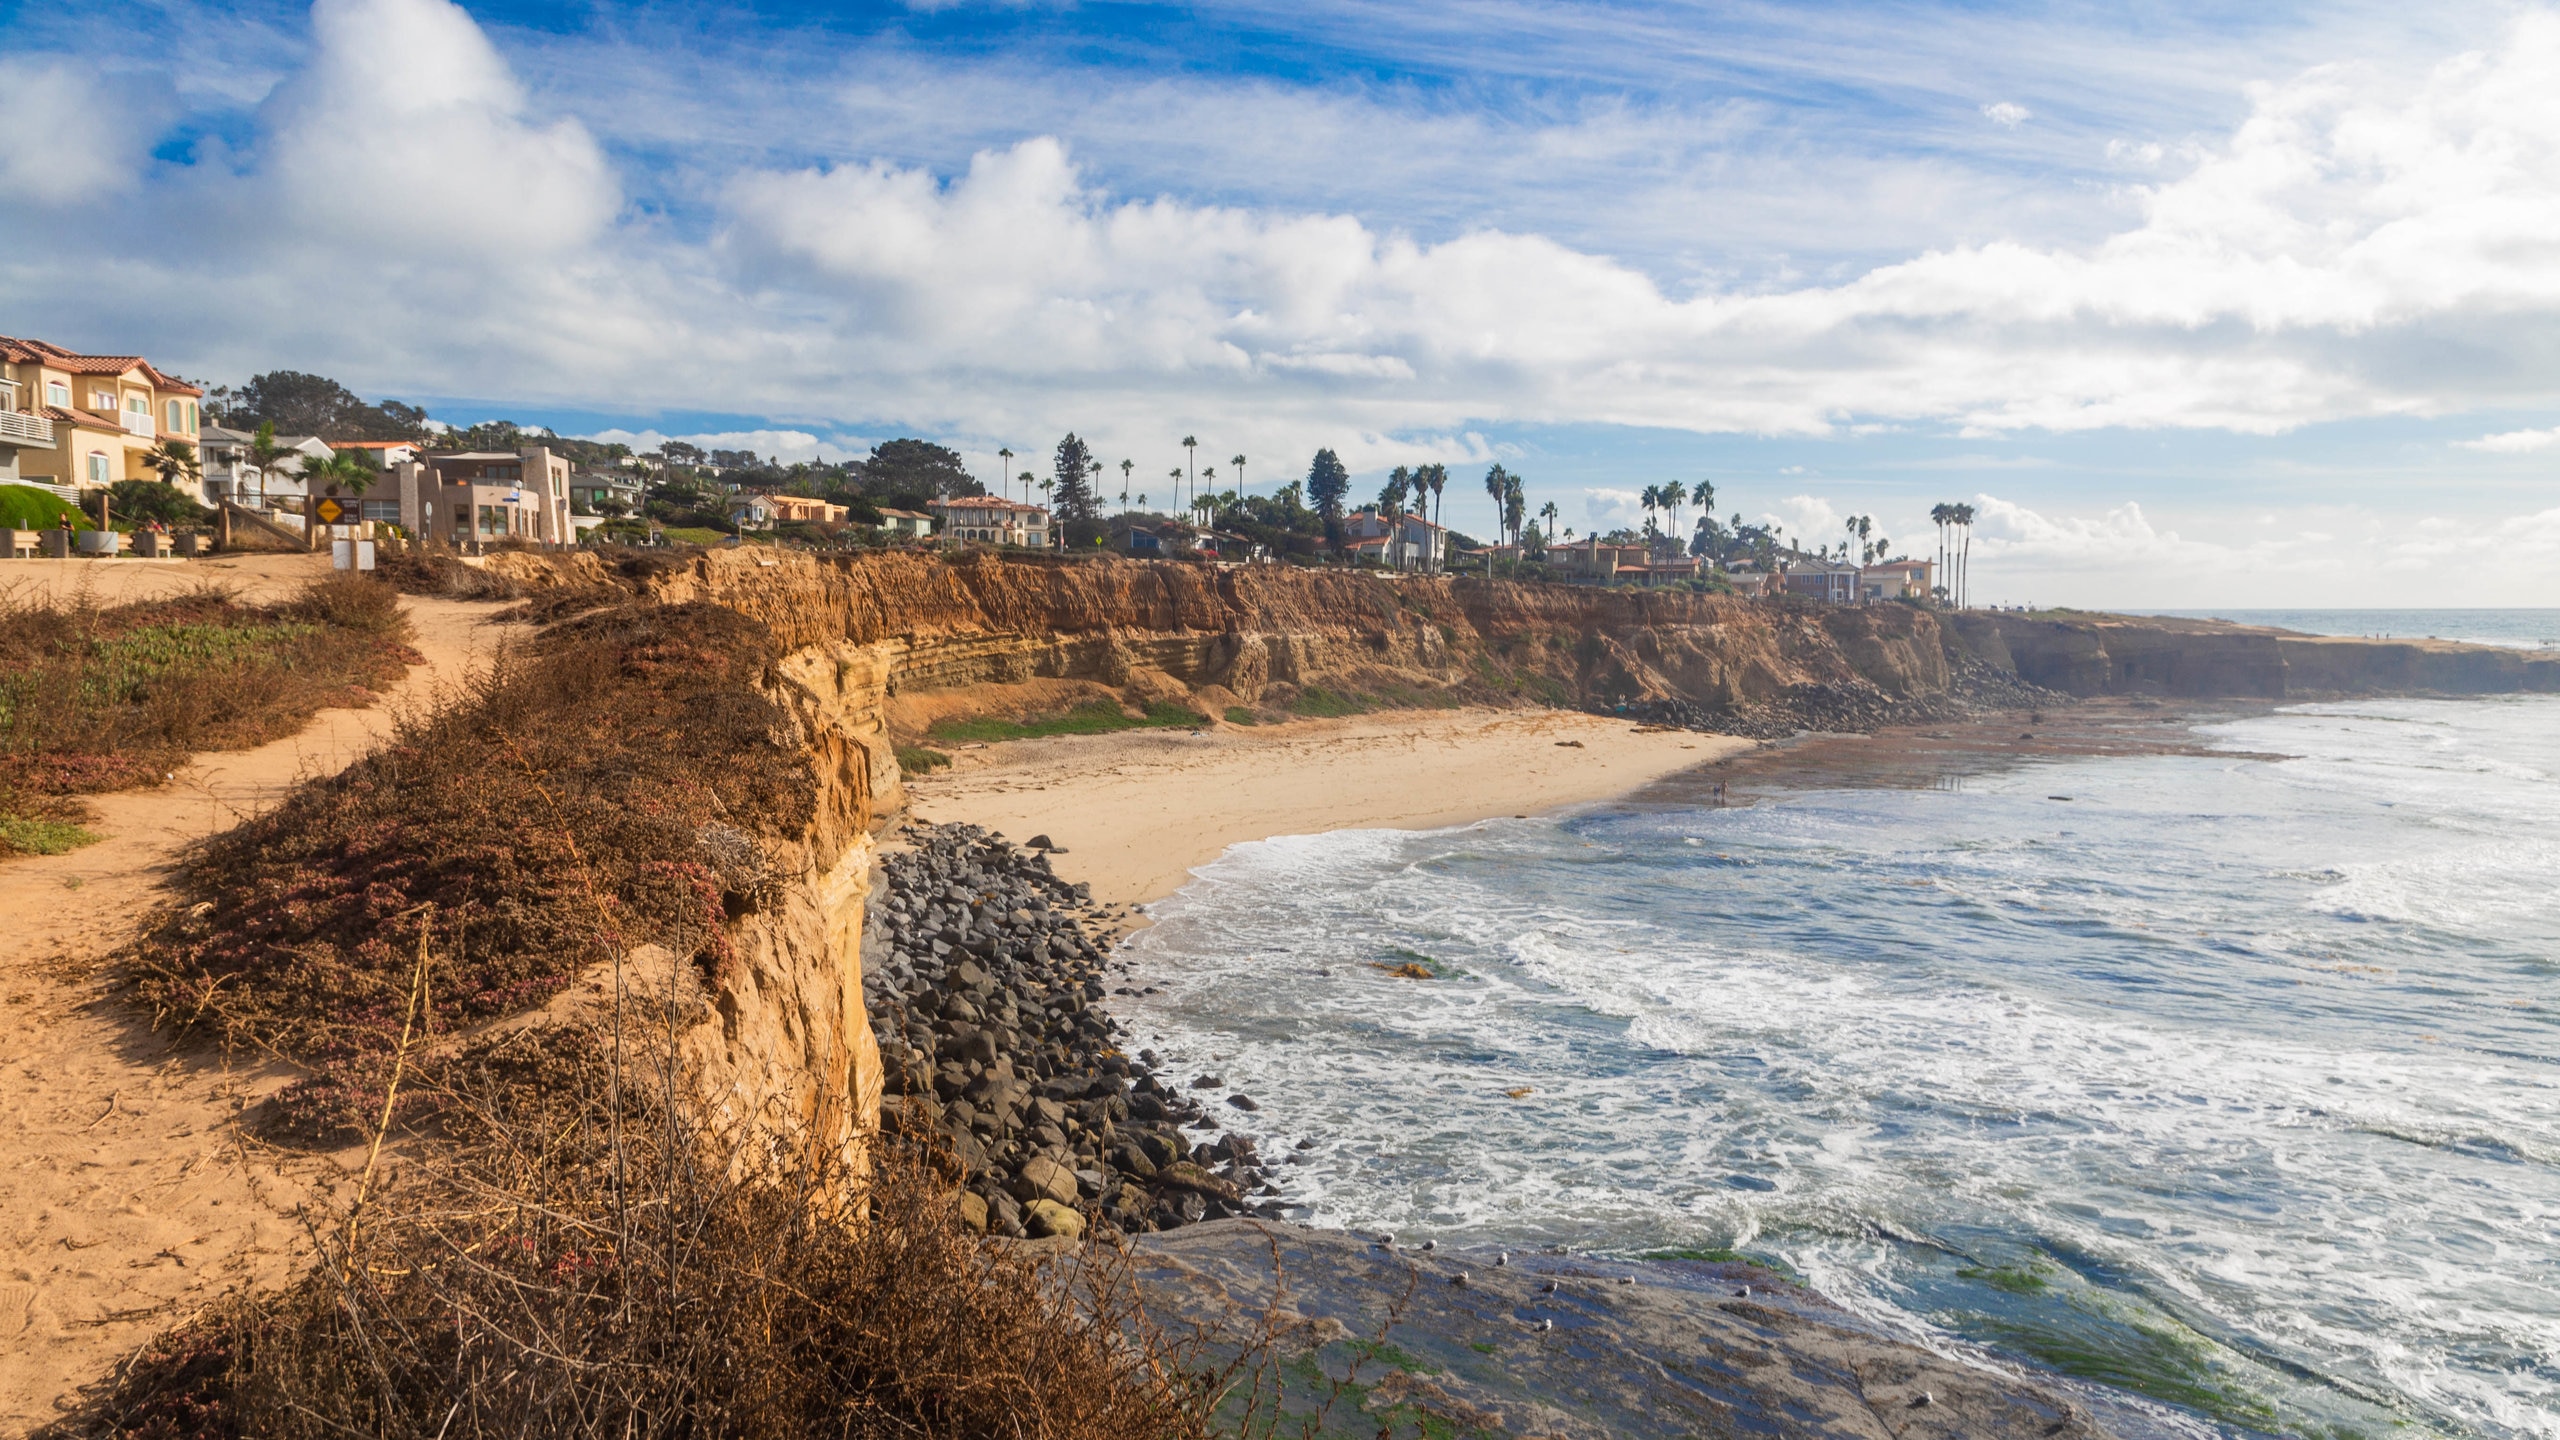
<point x="57" y="393"/>
<point x="178" y="415"/>
<point x="97" y="467"/>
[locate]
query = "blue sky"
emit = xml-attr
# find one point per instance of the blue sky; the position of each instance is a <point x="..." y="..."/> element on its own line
<point x="2198" y="304"/>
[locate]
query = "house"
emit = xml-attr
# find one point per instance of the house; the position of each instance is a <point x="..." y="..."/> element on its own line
<point x="1832" y="580"/>
<point x="800" y="508"/>
<point x="483" y="497"/>
<point x="906" y="524"/>
<point x="753" y="512"/>
<point x="82" y="422"/>
<point x="1750" y="581"/>
<point x="598" y="493"/>
<point x="992" y="520"/>
<point x="232" y="473"/>
<point x="1406" y="541"/>
<point x="1899" y="580"/>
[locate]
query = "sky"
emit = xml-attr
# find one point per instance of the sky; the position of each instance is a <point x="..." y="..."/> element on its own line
<point x="2213" y="304"/>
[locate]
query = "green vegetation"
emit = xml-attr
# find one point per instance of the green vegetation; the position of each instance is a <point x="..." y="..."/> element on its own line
<point x="920" y="760"/>
<point x="24" y="507"/>
<point x="1481" y="1347"/>
<point x="96" y="698"/>
<point x="2150" y="1356"/>
<point x="23" y="836"/>
<point x="1094" y="717"/>
<point x="1325" y="704"/>
<point x="695" y="535"/>
<point x="1240" y="715"/>
<point x="1718" y="1255"/>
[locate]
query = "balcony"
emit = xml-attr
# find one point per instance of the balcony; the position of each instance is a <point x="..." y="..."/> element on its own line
<point x="17" y="427"/>
<point x="138" y="422"/>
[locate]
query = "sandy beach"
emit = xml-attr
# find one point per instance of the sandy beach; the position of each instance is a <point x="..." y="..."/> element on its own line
<point x="1135" y="811"/>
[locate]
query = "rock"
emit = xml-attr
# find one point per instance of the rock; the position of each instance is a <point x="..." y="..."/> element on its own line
<point x="1048" y="1217"/>
<point x="1043" y="1178"/>
<point x="973" y="1211"/>
<point x="1004" y="1216"/>
<point x="1208" y="1082"/>
<point x="1038" y="842"/>
<point x="1243" y="1102"/>
<point x="1129" y="1159"/>
<point x="1184" y="1175"/>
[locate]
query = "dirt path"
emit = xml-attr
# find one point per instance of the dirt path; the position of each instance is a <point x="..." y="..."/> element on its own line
<point x="127" y="1196"/>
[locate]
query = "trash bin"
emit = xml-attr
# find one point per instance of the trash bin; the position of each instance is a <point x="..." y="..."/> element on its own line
<point x="150" y="544"/>
<point x="56" y="544"/>
<point x="101" y="543"/>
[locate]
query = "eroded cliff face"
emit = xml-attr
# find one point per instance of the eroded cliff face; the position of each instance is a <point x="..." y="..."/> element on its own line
<point x="983" y="624"/>
<point x="2087" y="654"/>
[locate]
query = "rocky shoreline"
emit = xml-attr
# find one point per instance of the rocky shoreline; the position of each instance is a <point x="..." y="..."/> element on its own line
<point x="984" y="976"/>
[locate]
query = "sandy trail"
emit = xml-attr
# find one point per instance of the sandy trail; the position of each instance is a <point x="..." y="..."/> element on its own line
<point x="1137" y="809"/>
<point x="128" y="1197"/>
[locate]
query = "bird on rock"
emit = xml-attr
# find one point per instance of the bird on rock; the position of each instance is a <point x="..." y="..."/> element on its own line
<point x="1545" y="1326"/>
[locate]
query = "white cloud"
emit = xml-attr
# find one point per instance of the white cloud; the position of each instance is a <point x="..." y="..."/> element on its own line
<point x="70" y="140"/>
<point x="2007" y="114"/>
<point x="1612" y="509"/>
<point x="784" y="445"/>
<point x="409" y="216"/>
<point x="2513" y="442"/>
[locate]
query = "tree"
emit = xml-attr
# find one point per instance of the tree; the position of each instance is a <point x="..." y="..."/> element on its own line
<point x="1191" y="456"/>
<point x="300" y="404"/>
<point x="154" y="500"/>
<point x="917" y="467"/>
<point x="1004" y="467"/>
<point x="1210" y="474"/>
<point x="1964" y="558"/>
<point x="1327" y="482"/>
<point x="1548" y="513"/>
<point x="342" y="471"/>
<point x="1238" y="462"/>
<point x="1497" y="483"/>
<point x="1652" y="499"/>
<point x="678" y="452"/>
<point x="1125" y="467"/>
<point x="1515" y="506"/>
<point x="1673" y="495"/>
<point x="174" y="461"/>
<point x="1072" y="480"/>
<point x="1943" y="515"/>
<point x="1175" y="475"/>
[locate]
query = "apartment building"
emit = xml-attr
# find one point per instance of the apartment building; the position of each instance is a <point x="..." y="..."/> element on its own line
<point x="1405" y="541"/>
<point x="486" y="497"/>
<point x="80" y="422"/>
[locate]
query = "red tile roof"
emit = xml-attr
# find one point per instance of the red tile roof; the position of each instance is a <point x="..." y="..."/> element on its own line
<point x="39" y="352"/>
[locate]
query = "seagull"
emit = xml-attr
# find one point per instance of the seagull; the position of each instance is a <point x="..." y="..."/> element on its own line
<point x="1502" y="1259"/>
<point x="1459" y="1279"/>
<point x="1388" y="1239"/>
<point x="1430" y="1244"/>
<point x="1546" y="1325"/>
<point x="1744" y="1292"/>
<point x="1925" y="1399"/>
<point x="1547" y="1289"/>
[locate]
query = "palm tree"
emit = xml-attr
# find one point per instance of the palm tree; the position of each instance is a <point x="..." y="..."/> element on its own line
<point x="1548" y="513"/>
<point x="1497" y="483"/>
<point x="1238" y="462"/>
<point x="1435" y="475"/>
<point x="1964" y="561"/>
<point x="1125" y="467"/>
<point x="174" y="460"/>
<point x="1176" y="502"/>
<point x="1515" y="505"/>
<point x="1652" y="502"/>
<point x="1191" y="454"/>
<point x="1673" y="493"/>
<point x="1006" y="468"/>
<point x="1210" y="474"/>
<point x="1942" y="515"/>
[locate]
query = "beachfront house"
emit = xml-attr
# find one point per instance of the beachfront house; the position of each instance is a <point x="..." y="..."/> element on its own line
<point x="1401" y="542"/>
<point x="1832" y="580"/>
<point x="232" y="473"/>
<point x="1898" y="579"/>
<point x="992" y="520"/>
<point x="487" y="497"/>
<point x="76" y="422"/>
<point x="906" y="524"/>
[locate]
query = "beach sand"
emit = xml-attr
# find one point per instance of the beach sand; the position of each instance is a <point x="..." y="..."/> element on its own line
<point x="1136" y="810"/>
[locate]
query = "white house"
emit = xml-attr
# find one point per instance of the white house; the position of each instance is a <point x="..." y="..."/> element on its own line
<point x="230" y="474"/>
<point x="1410" y="542"/>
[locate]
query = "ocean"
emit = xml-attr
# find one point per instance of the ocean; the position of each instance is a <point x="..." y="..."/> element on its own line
<point x="2228" y="1080"/>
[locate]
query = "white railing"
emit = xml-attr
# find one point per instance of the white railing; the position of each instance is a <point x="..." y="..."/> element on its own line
<point x="69" y="493"/>
<point x="138" y="422"/>
<point x="32" y="429"/>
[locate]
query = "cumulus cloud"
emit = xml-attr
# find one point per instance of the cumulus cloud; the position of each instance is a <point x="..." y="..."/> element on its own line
<point x="2513" y="442"/>
<point x="72" y="141"/>
<point x="405" y="212"/>
<point x="2007" y="114"/>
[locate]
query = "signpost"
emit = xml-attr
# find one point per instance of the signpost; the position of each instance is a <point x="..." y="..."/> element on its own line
<point x="330" y="511"/>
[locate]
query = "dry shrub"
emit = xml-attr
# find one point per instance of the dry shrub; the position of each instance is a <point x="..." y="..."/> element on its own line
<point x="576" y="1256"/>
<point x="558" y="810"/>
<point x="105" y="697"/>
<point x="417" y="572"/>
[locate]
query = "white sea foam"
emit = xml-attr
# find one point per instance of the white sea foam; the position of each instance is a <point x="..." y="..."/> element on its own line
<point x="2268" y="1050"/>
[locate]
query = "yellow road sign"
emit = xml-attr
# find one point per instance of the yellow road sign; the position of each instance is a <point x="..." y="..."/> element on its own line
<point x="331" y="512"/>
